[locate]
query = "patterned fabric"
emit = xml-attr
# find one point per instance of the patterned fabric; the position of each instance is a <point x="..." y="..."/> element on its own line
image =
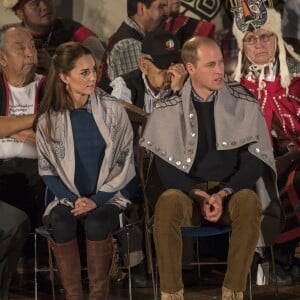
<point x="275" y="102"/>
<point x="202" y="8"/>
<point x="238" y="121"/>
<point x="57" y="158"/>
<point x="227" y="42"/>
<point x="281" y="109"/>
<point x="185" y="27"/>
<point x="123" y="56"/>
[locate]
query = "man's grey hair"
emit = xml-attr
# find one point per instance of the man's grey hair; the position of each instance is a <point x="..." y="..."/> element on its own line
<point x="3" y="31"/>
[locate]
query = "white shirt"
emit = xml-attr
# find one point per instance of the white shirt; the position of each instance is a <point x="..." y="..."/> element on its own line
<point x="21" y="102"/>
<point x="121" y="91"/>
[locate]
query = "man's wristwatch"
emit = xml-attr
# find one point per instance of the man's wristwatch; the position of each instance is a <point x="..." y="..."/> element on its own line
<point x="228" y="192"/>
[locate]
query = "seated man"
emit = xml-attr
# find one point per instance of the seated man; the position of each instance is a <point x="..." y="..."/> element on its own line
<point x="124" y="46"/>
<point x="212" y="153"/>
<point x="20" y="92"/>
<point x="14" y="229"/>
<point x="160" y="72"/>
<point x="49" y="31"/>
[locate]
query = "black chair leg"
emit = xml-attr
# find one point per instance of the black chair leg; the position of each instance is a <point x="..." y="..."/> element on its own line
<point x="274" y="273"/>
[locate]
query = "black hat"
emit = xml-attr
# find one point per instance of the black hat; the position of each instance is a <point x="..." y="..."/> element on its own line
<point x="162" y="47"/>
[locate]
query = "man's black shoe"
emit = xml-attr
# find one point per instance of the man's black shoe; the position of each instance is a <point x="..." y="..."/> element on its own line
<point x="284" y="277"/>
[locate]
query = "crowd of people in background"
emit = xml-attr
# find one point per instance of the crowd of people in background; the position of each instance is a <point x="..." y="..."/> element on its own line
<point x="222" y="137"/>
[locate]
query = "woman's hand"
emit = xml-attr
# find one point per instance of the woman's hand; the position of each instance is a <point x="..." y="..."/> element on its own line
<point x="83" y="206"/>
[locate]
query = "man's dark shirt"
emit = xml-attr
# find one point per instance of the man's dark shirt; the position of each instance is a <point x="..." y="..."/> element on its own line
<point x="235" y="168"/>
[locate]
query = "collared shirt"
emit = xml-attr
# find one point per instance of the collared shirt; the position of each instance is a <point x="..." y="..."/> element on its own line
<point x="121" y="91"/>
<point x="123" y="56"/>
<point x="150" y="97"/>
<point x="197" y="98"/>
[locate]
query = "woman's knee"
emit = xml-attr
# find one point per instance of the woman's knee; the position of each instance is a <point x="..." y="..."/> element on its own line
<point x="61" y="216"/>
<point x="97" y="226"/>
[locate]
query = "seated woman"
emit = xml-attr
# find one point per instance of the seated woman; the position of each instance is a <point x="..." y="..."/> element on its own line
<point x="84" y="143"/>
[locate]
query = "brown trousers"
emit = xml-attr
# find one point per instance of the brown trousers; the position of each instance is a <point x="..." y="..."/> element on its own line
<point x="175" y="209"/>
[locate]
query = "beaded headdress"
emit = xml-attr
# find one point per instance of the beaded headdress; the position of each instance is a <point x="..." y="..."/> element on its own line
<point x="250" y="15"/>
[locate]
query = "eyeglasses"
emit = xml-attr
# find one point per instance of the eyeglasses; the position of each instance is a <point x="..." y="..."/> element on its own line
<point x="252" y="40"/>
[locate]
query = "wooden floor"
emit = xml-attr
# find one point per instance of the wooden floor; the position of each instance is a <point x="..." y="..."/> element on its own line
<point x="208" y="288"/>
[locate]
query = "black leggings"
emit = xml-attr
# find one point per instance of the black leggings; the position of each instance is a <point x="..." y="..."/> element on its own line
<point x="97" y="224"/>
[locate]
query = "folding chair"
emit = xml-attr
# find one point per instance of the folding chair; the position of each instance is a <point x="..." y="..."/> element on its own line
<point x="45" y="233"/>
<point x="198" y="232"/>
<point x="137" y="116"/>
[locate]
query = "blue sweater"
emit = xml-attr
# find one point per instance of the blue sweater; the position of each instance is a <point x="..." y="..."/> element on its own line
<point x="89" y="147"/>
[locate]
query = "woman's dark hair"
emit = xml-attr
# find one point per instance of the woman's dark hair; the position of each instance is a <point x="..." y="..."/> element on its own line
<point x="56" y="97"/>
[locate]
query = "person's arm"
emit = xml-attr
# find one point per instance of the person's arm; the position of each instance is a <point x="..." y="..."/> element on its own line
<point x="102" y="197"/>
<point x="26" y="136"/>
<point x="10" y="125"/>
<point x="120" y="89"/>
<point x="122" y="171"/>
<point x="249" y="170"/>
<point x="171" y="177"/>
<point x="58" y="188"/>
<point x="178" y="77"/>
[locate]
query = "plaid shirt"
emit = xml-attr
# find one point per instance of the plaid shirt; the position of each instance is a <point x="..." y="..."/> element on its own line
<point x="227" y="42"/>
<point x="123" y="56"/>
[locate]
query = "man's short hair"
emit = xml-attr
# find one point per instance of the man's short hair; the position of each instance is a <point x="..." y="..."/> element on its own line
<point x="132" y="6"/>
<point x="189" y="52"/>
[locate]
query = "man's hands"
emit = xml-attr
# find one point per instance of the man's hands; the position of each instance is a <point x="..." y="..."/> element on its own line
<point x="211" y="205"/>
<point x="82" y="206"/>
<point x="178" y="76"/>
